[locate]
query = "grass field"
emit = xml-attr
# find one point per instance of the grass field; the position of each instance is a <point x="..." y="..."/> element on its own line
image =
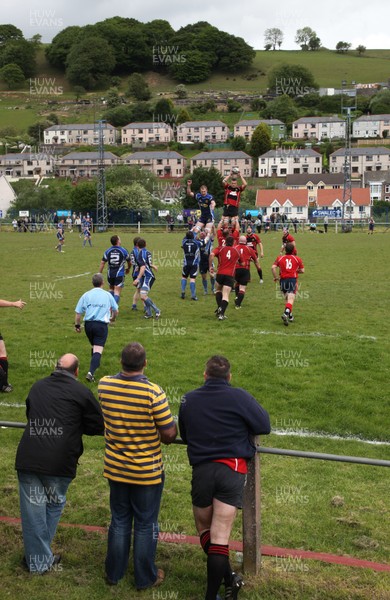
<point x="326" y="374"/>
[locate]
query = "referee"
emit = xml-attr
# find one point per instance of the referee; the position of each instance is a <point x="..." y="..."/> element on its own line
<point x="98" y="306"/>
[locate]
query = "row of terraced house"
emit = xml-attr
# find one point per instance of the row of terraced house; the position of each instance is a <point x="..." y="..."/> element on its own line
<point x="305" y="128"/>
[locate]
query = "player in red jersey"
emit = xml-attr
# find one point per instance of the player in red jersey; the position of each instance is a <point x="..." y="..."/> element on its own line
<point x="228" y="256"/>
<point x="232" y="197"/>
<point x="253" y="240"/>
<point x="223" y="231"/>
<point x="243" y="274"/>
<point x="288" y="239"/>
<point x="289" y="266"/>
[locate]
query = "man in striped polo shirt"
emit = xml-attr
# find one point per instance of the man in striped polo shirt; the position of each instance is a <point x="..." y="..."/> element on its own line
<point x="137" y="419"/>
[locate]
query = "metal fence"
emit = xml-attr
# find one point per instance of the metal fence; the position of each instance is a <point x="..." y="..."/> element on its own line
<point x="251" y="514"/>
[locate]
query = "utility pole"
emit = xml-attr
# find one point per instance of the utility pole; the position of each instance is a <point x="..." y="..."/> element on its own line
<point x="101" y="206"/>
<point x="347" y="168"/>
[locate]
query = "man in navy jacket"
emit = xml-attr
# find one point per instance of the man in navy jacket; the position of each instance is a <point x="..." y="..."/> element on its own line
<point x="218" y="423"/>
<point x="60" y="410"/>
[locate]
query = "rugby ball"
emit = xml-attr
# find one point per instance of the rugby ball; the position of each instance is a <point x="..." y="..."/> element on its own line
<point x="235" y="170"/>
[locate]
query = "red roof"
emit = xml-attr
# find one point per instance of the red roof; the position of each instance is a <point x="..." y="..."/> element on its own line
<point x="265" y="198"/>
<point x="360" y="196"/>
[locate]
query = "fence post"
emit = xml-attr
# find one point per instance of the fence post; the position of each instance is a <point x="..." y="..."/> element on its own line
<point x="251" y="525"/>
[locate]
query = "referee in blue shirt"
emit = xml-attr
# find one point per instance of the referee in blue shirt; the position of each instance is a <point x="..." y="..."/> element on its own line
<point x="98" y="306"/>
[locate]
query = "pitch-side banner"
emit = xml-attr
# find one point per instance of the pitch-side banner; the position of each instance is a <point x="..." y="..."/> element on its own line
<point x="332" y="214"/>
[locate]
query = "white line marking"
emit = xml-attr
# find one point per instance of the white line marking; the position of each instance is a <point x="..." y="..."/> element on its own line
<point x="73" y="276"/>
<point x="8" y="404"/>
<point x="328" y="436"/>
<point x="314" y="334"/>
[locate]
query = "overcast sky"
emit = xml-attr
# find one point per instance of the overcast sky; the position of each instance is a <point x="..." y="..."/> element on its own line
<point x="354" y="21"/>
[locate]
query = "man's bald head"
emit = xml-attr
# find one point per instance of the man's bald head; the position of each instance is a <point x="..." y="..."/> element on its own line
<point x="242" y="239"/>
<point x="68" y="362"/>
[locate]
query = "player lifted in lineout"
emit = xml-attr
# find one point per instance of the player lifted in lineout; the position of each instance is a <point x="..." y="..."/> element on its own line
<point x="232" y="197"/>
<point x="206" y="204"/>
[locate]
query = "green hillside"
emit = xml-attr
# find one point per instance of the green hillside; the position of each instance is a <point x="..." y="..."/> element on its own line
<point x="328" y="68"/>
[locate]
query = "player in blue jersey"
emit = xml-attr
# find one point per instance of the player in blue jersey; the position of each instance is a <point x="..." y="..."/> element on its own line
<point x="133" y="259"/>
<point x="206" y="204"/>
<point x="145" y="279"/>
<point x="87" y="236"/>
<point x="206" y="246"/>
<point x="116" y="258"/>
<point x="191" y="249"/>
<point x="60" y="236"/>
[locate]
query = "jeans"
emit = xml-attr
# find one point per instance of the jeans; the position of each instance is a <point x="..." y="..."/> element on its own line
<point x="133" y="506"/>
<point x="42" y="500"/>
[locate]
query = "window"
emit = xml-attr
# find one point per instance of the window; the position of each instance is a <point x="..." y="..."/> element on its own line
<point x="262" y="161"/>
<point x="368" y="158"/>
<point x="299" y="209"/>
<point x="355" y="158"/>
<point x="275" y="209"/>
<point x="283" y="171"/>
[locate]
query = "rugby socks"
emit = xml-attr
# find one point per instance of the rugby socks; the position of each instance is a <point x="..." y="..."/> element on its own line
<point x="240" y="298"/>
<point x="204" y="283"/>
<point x="183" y="285"/>
<point x="4" y="369"/>
<point x="217" y="563"/>
<point x="224" y="305"/>
<point x="150" y="306"/>
<point x="237" y="289"/>
<point x="288" y="308"/>
<point x="260" y="272"/>
<point x="95" y="362"/>
<point x="116" y="298"/>
<point x="218" y="298"/>
<point x="212" y="281"/>
<point x="192" y="288"/>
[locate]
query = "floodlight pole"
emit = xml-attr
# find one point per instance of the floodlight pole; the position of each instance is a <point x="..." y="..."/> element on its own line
<point x="101" y="206"/>
<point x="347" y="168"/>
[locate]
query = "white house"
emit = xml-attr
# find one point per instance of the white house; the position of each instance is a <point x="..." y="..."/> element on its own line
<point x="7" y="195"/>
<point x="290" y="161"/>
<point x="292" y="203"/>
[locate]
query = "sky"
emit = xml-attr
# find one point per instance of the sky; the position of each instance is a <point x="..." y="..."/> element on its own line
<point x="353" y="21"/>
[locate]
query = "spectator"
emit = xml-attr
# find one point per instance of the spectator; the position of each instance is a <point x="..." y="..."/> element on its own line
<point x="5" y="386"/>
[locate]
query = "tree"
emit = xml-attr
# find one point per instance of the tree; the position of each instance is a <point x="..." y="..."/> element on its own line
<point x="282" y="108"/>
<point x="59" y="49"/>
<point x="90" y="62"/>
<point x="123" y="175"/>
<point x="267" y="47"/>
<point x="83" y="196"/>
<point x="181" y="91"/>
<point x="274" y="37"/>
<point x="9" y="33"/>
<point x="257" y="104"/>
<point x="292" y="80"/>
<point x="314" y="43"/>
<point x="233" y="105"/>
<point x="210" y="177"/>
<point x="36" y="130"/>
<point x="19" y="52"/>
<point x="164" y="111"/>
<point x="261" y="140"/>
<point x="303" y="37"/>
<point x="138" y="88"/>
<point x="380" y="103"/>
<point x="194" y="67"/>
<point x="12" y="75"/>
<point x="342" y="47"/>
<point x="113" y="98"/>
<point x="361" y="49"/>
<point x="130" y="197"/>
<point x="182" y="116"/>
<point x="78" y="91"/>
<point x="238" y="143"/>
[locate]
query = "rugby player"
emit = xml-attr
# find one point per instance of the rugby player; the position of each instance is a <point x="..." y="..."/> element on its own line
<point x="253" y="240"/>
<point x="289" y="266"/>
<point x="205" y="249"/>
<point x="223" y="230"/>
<point x="242" y="273"/>
<point x="191" y="249"/>
<point x="116" y="257"/>
<point x="133" y="260"/>
<point x="206" y="204"/>
<point x="287" y="238"/>
<point x="60" y="236"/>
<point x="228" y="256"/>
<point x="145" y="279"/>
<point x="232" y="197"/>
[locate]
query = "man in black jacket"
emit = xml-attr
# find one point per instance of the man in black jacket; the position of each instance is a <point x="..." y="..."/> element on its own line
<point x="59" y="411"/>
<point x="218" y="424"/>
